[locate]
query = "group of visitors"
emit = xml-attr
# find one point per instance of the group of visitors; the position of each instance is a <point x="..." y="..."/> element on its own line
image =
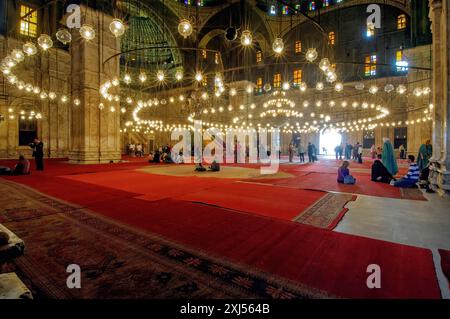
<point x="385" y="168"/>
<point x="164" y="155"/>
<point x="135" y="150"/>
<point x="312" y="152"/>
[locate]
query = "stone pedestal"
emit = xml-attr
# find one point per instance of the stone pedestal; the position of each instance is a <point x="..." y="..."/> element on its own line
<point x="95" y="133"/>
<point x="440" y="161"/>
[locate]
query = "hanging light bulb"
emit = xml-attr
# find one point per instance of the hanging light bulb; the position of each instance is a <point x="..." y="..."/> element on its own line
<point x="101" y="106"/>
<point x="389" y="88"/>
<point x="185" y="28"/>
<point x="36" y="90"/>
<point x="160" y="75"/>
<point x="324" y="64"/>
<point x="359" y="86"/>
<point x="45" y="42"/>
<point x="302" y="86"/>
<point x="12" y="79"/>
<point x="319" y="86"/>
<point x="339" y="87"/>
<point x="249" y="89"/>
<point x="417" y="92"/>
<point x="127" y="78"/>
<point x="142" y="77"/>
<point x="20" y="85"/>
<point x="373" y="89"/>
<point x="43" y="95"/>
<point x="426" y="90"/>
<point x="179" y="75"/>
<point x="267" y="87"/>
<point x="198" y="76"/>
<point x="331" y="76"/>
<point x="233" y="92"/>
<point x="286" y="86"/>
<point x="278" y="45"/>
<point x="117" y="28"/>
<point x="9" y="62"/>
<point x="52" y="95"/>
<point x="246" y="38"/>
<point x="129" y="100"/>
<point x="17" y="55"/>
<point x="28" y="87"/>
<point x="87" y="32"/>
<point x="64" y="36"/>
<point x="64" y="99"/>
<point x="311" y="55"/>
<point x="77" y="102"/>
<point x="401" y="89"/>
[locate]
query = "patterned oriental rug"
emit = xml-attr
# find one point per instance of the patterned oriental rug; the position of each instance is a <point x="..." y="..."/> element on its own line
<point x="117" y="261"/>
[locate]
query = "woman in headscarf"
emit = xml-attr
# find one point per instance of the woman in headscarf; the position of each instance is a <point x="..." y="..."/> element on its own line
<point x="379" y="172"/>
<point x="425" y="152"/>
<point x="388" y="157"/>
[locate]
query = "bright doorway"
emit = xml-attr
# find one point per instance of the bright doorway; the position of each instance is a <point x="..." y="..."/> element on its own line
<point x="328" y="141"/>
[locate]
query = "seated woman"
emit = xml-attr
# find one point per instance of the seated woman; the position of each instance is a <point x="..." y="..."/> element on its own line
<point x="156" y="157"/>
<point x="344" y="176"/>
<point x="215" y="167"/>
<point x="21" y="168"/>
<point x="380" y="172"/>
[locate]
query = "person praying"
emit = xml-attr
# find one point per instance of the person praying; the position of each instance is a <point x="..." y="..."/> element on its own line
<point x="388" y="157"/>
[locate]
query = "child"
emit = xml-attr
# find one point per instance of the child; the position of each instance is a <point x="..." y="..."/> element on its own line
<point x="411" y="178"/>
<point x="344" y="176"/>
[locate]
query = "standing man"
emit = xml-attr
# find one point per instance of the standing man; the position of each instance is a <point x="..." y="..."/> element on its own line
<point x="291" y="152"/>
<point x="38" y="153"/>
<point x="301" y="153"/>
<point x="401" y="148"/>
<point x="360" y="151"/>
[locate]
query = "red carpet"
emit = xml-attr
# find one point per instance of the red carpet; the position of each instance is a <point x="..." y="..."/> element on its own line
<point x="325" y="260"/>
<point x="445" y="263"/>
<point x="257" y="199"/>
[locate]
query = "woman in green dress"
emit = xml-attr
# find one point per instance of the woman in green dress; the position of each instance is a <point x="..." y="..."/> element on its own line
<point x="425" y="152"/>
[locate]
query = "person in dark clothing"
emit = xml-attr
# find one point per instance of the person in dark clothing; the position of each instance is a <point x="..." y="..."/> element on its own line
<point x="38" y="153"/>
<point x="215" y="167"/>
<point x="380" y="172"/>
<point x="311" y="152"/>
<point x="156" y="157"/>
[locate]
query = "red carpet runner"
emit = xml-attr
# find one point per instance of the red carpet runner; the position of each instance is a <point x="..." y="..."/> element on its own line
<point x="308" y="256"/>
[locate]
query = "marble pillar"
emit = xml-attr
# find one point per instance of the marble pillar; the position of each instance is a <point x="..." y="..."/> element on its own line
<point x="440" y="161"/>
<point x="95" y="133"/>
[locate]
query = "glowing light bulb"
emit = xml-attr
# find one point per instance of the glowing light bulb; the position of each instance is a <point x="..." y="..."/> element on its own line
<point x="319" y="86"/>
<point x="324" y="64"/>
<point x="160" y="75"/>
<point x="117" y="27"/>
<point x="198" y="76"/>
<point x="127" y="79"/>
<point x="401" y="89"/>
<point x="339" y="87"/>
<point x="45" y="42"/>
<point x="246" y="38"/>
<point x="185" y="28"/>
<point x="87" y="32"/>
<point x="311" y="55"/>
<point x="278" y="45"/>
<point x="17" y="55"/>
<point x="179" y="75"/>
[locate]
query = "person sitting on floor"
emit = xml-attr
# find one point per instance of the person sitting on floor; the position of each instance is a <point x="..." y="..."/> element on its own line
<point x="21" y="168"/>
<point x="380" y="172"/>
<point x="167" y="158"/>
<point x="156" y="157"/>
<point x="411" y="178"/>
<point x="215" y="167"/>
<point x="199" y="167"/>
<point x="344" y="176"/>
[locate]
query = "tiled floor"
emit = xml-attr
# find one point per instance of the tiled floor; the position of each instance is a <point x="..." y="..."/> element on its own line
<point x="415" y="223"/>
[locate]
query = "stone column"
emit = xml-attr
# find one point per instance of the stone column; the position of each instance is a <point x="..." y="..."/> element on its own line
<point x="439" y="170"/>
<point x="95" y="133"/>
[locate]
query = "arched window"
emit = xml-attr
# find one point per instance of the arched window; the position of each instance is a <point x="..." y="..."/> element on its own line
<point x="401" y="22"/>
